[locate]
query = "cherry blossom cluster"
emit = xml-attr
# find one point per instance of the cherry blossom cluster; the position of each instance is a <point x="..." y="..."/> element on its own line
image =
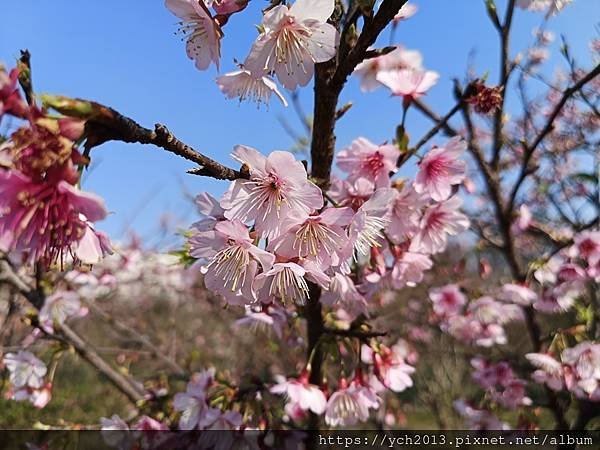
<point x="500" y="383"/>
<point x="271" y="236"/>
<point x="578" y="370"/>
<point x="400" y="70"/>
<point x="292" y="38"/>
<point x="43" y="213"/>
<point x="479" y="322"/>
<point x="133" y="273"/>
<point x="349" y="404"/>
<point x="305" y="241"/>
<point x="566" y="274"/>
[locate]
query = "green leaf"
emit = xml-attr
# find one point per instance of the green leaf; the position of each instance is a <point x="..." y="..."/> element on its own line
<point x="585" y="177"/>
<point x="184" y="256"/>
<point x="69" y="106"/>
<point x="402" y="139"/>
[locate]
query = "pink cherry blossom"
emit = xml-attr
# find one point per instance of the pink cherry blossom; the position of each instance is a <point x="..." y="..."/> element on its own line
<point x="201" y="32"/>
<point x="407" y="11"/>
<point x="321" y="237"/>
<point x="558" y="298"/>
<point x="440" y="169"/>
<point x="366" y="229"/>
<point x="277" y="195"/>
<point x="545" y="37"/>
<point x="363" y="159"/>
<point x="405" y="214"/>
<point x="488" y="375"/>
<point x="410" y="84"/>
<point x="483" y="322"/>
<point x="243" y="85"/>
<point x="349" y="194"/>
<point x="146" y="423"/>
<point x="546" y="274"/>
<point x="93" y="245"/>
<point x="112" y="435"/>
<point x="44" y="219"/>
<point x="390" y="366"/>
<point x="398" y="59"/>
<point x="551" y="6"/>
<point x="512" y="395"/>
<point x="44" y="150"/>
<point x="293" y="39"/>
<point x="25" y="370"/>
<point x="272" y="318"/>
<point x="409" y="268"/>
<point x="345" y="297"/>
<point x="517" y="294"/>
<point x="490" y="334"/>
<point x="114" y="423"/>
<point x="195" y="412"/>
<point x="284" y="281"/>
<point x="39" y="398"/>
<point x="438" y="222"/>
<point x="228" y="7"/>
<point x="349" y="405"/>
<point x="210" y="211"/>
<point x="571" y="273"/>
<point x="447" y="301"/>
<point x="525" y="218"/>
<point x="468" y="330"/>
<point x="235" y="263"/>
<point x="489" y="311"/>
<point x="549" y="370"/>
<point x="587" y="246"/>
<point x="479" y="419"/>
<point x="58" y="308"/>
<point x="583" y="374"/>
<point x="301" y="393"/>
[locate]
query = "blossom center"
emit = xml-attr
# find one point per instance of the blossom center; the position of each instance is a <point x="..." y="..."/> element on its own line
<point x="437" y="168"/>
<point x="370" y="235"/>
<point x="312" y="237"/>
<point x="291" y="45"/>
<point x="374" y="163"/>
<point x="231" y="264"/>
<point x="289" y="286"/>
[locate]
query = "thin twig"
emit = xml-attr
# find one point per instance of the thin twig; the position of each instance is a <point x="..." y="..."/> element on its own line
<point x="137" y="337"/>
<point x="67" y="335"/>
<point x="529" y="150"/>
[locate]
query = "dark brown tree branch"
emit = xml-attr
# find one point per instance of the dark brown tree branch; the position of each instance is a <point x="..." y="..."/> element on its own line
<point x="112" y="125"/>
<point x="134" y="392"/>
<point x="330" y="78"/>
<point x="440" y="124"/>
<point x="103" y="124"/>
<point x="505" y="70"/>
<point x="25" y="80"/>
<point x="363" y="335"/>
<point x="434" y="117"/>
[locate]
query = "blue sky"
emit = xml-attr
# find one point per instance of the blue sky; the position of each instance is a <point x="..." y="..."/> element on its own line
<point x="125" y="54"/>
